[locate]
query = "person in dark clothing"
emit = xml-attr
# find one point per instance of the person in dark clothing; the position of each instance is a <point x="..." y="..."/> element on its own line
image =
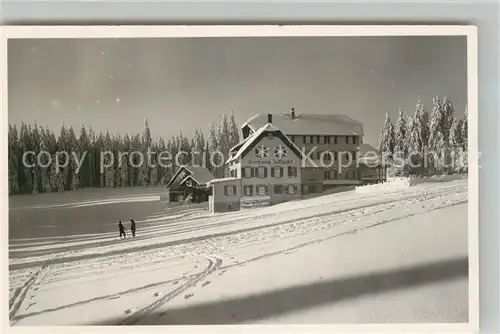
<point x="122" y="230"/>
<point x="132" y="227"/>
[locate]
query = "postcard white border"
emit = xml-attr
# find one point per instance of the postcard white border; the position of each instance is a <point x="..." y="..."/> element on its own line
<point x="172" y="31"/>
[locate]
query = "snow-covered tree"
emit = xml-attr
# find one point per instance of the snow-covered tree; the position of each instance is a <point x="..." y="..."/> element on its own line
<point x="44" y="163"/>
<point x="234" y="135"/>
<point x="455" y="133"/>
<point x="153" y="176"/>
<point x="198" y="147"/>
<point x="422" y="126"/>
<point x="26" y="172"/>
<point x="109" y="172"/>
<point x="56" y="177"/>
<point x="436" y="135"/>
<point x="399" y="135"/>
<point x="63" y="146"/>
<point x="417" y="138"/>
<point x="145" y="170"/>
<point x="456" y="147"/>
<point x="75" y="156"/>
<point x="13" y="160"/>
<point x="464" y="129"/>
<point x="86" y="170"/>
<point x="387" y="139"/>
<point x="134" y="161"/>
<point x="436" y="123"/>
<point x="448" y="115"/>
<point x="409" y="135"/>
<point x="162" y="162"/>
<point x="214" y="157"/>
<point x="224" y="135"/>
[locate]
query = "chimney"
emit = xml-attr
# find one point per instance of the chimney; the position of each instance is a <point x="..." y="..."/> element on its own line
<point x="292" y="113"/>
<point x="269" y="118"/>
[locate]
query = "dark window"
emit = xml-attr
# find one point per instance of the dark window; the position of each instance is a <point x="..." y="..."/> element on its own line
<point x="248" y="190"/>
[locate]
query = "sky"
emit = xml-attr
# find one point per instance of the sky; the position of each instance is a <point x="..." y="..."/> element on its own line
<point x="180" y="84"/>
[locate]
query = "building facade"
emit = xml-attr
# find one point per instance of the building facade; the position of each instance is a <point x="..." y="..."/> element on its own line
<point x="225" y="195"/>
<point x="269" y="166"/>
<point x="330" y="142"/>
<point x="316" y="153"/>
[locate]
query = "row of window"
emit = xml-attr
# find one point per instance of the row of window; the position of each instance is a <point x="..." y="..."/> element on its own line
<point x="326" y="139"/>
<point x="329" y="156"/>
<point x="279" y="172"/>
<point x="333" y="175"/>
<point x="262" y="172"/>
<point x="262" y="189"/>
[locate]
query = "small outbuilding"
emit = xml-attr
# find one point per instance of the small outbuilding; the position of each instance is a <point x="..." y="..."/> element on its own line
<point x="189" y="180"/>
<point x="371" y="165"/>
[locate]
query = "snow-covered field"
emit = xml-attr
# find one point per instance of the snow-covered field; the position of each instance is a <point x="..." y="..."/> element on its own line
<point x="393" y="256"/>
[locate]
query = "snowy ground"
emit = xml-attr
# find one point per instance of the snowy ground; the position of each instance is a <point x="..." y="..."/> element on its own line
<point x="393" y="256"/>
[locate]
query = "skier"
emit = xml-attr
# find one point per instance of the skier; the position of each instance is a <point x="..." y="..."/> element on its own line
<point x="122" y="230"/>
<point x="132" y="227"/>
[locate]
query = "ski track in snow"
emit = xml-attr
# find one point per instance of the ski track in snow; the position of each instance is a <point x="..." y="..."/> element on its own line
<point x="255" y="234"/>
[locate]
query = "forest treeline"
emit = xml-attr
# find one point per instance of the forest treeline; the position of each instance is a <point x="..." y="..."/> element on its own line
<point x="439" y="132"/>
<point x="41" y="174"/>
<point x="426" y="144"/>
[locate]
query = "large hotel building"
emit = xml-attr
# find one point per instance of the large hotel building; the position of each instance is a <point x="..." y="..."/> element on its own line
<point x="285" y="156"/>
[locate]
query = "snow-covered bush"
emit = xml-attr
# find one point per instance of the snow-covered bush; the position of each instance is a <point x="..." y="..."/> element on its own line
<point x="391" y="184"/>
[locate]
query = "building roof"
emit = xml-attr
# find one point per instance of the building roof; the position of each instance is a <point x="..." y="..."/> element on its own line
<point x="253" y="139"/>
<point x="309" y="124"/>
<point x="199" y="174"/>
<point x="237" y="146"/>
<point x="226" y="179"/>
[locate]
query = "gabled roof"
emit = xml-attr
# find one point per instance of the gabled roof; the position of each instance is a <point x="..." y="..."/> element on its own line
<point x="237" y="146"/>
<point x="200" y="174"/>
<point x="187" y="178"/>
<point x="254" y="138"/>
<point x="309" y="124"/>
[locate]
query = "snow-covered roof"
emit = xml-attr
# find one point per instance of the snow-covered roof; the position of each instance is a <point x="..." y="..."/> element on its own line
<point x="226" y="179"/>
<point x="268" y="127"/>
<point x="200" y="174"/>
<point x="187" y="178"/>
<point x="309" y="124"/>
<point x="237" y="146"/>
